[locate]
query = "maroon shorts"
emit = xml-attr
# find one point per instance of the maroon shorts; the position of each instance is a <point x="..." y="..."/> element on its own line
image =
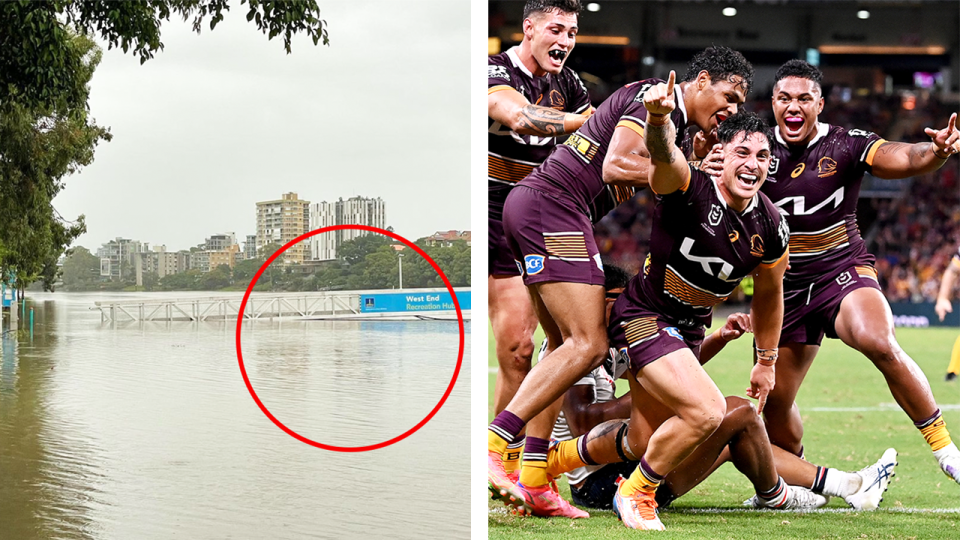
<point x="645" y="336"/>
<point x="553" y="241"/>
<point x="810" y="312"/>
<point x="500" y="261"/>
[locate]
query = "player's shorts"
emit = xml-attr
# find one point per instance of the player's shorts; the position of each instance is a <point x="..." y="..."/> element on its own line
<point x="554" y="241"/>
<point x="810" y="312"/>
<point x="598" y="489"/>
<point x="646" y="336"/>
<point x="500" y="261"/>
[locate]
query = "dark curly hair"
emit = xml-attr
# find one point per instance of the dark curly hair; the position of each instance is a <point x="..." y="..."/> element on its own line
<point x="722" y="63"/>
<point x="546" y="6"/>
<point x="799" y="68"/>
<point x="745" y="122"/>
<point x="614" y="277"/>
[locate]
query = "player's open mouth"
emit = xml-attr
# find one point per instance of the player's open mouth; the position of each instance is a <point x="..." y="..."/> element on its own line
<point x="721" y="118"/>
<point x="793" y="125"/>
<point x="557" y="55"/>
<point x="748" y="179"/>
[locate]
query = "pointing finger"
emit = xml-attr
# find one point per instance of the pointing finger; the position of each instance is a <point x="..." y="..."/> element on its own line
<point x="673" y="79"/>
<point x="761" y="403"/>
<point x="952" y="124"/>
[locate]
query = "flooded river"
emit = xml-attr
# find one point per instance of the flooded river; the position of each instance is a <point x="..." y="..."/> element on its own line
<point x="146" y="430"/>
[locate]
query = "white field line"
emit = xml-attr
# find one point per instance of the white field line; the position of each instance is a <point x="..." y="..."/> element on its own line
<point x="894" y="510"/>
<point x="880" y="407"/>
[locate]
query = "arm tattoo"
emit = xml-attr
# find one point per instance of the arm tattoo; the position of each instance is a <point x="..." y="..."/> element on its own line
<point x="893" y="147"/>
<point x="606" y="429"/>
<point x="544" y="121"/>
<point x="660" y="142"/>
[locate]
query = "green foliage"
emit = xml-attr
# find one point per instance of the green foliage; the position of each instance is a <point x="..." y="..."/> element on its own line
<point x="39" y="146"/>
<point x="354" y="251"/>
<point x="81" y="270"/>
<point x="151" y="281"/>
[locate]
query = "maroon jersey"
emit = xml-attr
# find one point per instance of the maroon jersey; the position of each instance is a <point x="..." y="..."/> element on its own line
<point x="816" y="187"/>
<point x="700" y="249"/>
<point x="510" y="156"/>
<point x="574" y="171"/>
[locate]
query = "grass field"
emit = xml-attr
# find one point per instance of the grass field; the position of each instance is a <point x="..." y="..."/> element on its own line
<point x="849" y="418"/>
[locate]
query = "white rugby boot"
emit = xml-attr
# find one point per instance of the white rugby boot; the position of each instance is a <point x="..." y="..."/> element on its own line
<point x="874" y="481"/>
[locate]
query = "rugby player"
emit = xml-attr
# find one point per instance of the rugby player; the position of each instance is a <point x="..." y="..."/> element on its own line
<point x="944" y="306"/>
<point x="707" y="235"/>
<point x="831" y="287"/>
<point x="531" y="99"/>
<point x="595" y="424"/>
<point x="548" y="222"/>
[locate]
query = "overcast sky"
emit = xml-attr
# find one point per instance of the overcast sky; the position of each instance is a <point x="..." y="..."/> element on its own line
<point x="221" y="120"/>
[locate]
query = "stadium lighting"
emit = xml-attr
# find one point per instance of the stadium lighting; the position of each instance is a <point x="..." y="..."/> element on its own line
<point x="729" y="11"/>
<point x="593" y="7"/>
<point x="863" y="14"/>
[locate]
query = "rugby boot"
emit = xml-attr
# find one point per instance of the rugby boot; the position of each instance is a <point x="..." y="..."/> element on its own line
<point x="874" y="481"/>
<point x="793" y="498"/>
<point x="637" y="510"/>
<point x="545" y="501"/>
<point x="501" y="487"/>
<point x="949" y="459"/>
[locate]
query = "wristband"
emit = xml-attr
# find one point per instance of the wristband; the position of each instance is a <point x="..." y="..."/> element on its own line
<point x="655" y="119"/>
<point x="767" y="357"/>
<point x="945" y="156"/>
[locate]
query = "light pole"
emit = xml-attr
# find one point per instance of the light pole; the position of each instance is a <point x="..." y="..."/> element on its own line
<point x="400" y="265"/>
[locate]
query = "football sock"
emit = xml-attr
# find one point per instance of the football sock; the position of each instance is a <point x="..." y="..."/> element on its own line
<point x="949" y="451"/>
<point x="835" y="483"/>
<point x="511" y="457"/>
<point x="775" y="496"/>
<point x="503" y="430"/>
<point x="533" y="473"/>
<point x="934" y="430"/>
<point x="643" y="479"/>
<point x="954" y="366"/>
<point x="566" y="456"/>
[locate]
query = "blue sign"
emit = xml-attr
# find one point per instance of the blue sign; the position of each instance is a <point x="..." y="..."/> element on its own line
<point x="412" y="302"/>
<point x="7" y="293"/>
<point x="922" y="315"/>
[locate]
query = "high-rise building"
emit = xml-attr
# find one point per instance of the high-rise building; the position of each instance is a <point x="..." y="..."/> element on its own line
<point x="281" y="221"/>
<point x="220" y="242"/>
<point x="250" y="247"/>
<point x="353" y="211"/>
<point x="323" y="246"/>
<point x="117" y="257"/>
<point x="159" y="261"/>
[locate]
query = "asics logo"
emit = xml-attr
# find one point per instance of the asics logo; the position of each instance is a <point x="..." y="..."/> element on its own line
<point x="883" y="473"/>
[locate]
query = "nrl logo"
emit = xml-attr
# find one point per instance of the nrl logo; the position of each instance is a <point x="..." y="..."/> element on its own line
<point x="716" y="213"/>
<point x="774" y="165"/>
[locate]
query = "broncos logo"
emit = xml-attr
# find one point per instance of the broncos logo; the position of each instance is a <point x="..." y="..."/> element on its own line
<point x="826" y="167"/>
<point x="756" y="246"/>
